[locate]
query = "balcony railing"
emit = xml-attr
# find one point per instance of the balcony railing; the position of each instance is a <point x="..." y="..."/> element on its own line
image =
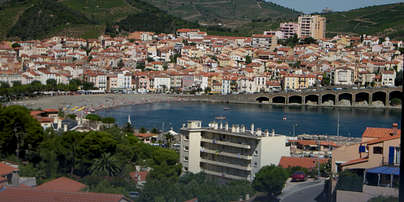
<point x="218" y="163"/>
<point x="225" y="175"/>
<point x="244" y="146"/>
<point x="228" y="154"/>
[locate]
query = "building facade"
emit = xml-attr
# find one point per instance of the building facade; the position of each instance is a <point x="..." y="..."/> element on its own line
<point x="311" y="26"/>
<point x="231" y="153"/>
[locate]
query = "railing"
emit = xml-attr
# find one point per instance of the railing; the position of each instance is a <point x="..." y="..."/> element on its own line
<point x="228" y="154"/>
<point x="235" y="177"/>
<point x="226" y="143"/>
<point x="248" y="168"/>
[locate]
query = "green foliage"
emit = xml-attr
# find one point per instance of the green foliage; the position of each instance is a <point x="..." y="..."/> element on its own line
<point x="248" y="59"/>
<point x="142" y="130"/>
<point x="106" y="165"/>
<point x="383" y="199"/>
<point x="109" y="120"/>
<point x="292" y="170"/>
<point x="194" y="186"/>
<point x="43" y="18"/>
<point x="155" y="131"/>
<point x="20" y="133"/>
<point x="399" y="78"/>
<point x="349" y="181"/>
<point x="270" y="179"/>
<point x="93" y="117"/>
<point x="72" y="116"/>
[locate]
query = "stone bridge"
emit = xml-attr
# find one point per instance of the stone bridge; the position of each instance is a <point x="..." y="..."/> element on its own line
<point x="374" y="97"/>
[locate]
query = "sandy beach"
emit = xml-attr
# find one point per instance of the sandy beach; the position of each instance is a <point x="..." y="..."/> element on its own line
<point x="76" y="103"/>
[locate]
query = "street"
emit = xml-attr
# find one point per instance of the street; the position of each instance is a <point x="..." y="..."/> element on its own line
<point x="309" y="191"/>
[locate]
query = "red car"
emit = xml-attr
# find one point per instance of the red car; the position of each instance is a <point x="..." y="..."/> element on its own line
<point x="298" y="176"/>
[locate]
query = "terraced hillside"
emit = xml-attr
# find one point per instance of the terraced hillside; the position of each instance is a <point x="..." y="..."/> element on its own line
<point x="230" y="13"/>
<point x="386" y="20"/>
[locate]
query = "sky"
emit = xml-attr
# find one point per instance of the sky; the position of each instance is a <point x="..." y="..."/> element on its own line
<point x="310" y="6"/>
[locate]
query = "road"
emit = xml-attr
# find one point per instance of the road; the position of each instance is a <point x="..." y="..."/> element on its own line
<point x="303" y="192"/>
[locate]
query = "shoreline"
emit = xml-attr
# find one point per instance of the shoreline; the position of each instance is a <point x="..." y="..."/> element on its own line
<point x="109" y="101"/>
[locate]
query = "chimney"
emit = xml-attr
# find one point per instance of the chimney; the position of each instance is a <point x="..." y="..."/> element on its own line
<point x="266" y="133"/>
<point x="226" y="126"/>
<point x="237" y="128"/>
<point x="395" y="128"/>
<point x="221" y="126"/>
<point x="252" y="128"/>
<point x="243" y="128"/>
<point x="215" y="125"/>
<point x="273" y="132"/>
<point x="259" y="132"/>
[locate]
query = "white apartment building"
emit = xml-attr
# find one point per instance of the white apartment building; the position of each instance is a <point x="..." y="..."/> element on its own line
<point x="124" y="80"/>
<point x="231" y="153"/>
<point x="388" y="78"/>
<point x="226" y="87"/>
<point x="162" y="83"/>
<point x="342" y="76"/>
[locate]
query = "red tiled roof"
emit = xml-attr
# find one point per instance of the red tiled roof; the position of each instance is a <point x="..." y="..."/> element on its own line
<point x="62" y="184"/>
<point x="355" y="161"/>
<point x="382" y="139"/>
<point x="142" y="174"/>
<point x="303" y="162"/>
<point x="15" y="194"/>
<point x="378" y="132"/>
<point x="6" y="169"/>
<point x="145" y="135"/>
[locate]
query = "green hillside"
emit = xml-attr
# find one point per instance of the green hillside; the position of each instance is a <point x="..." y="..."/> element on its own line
<point x="386" y="20"/>
<point x="231" y="13"/>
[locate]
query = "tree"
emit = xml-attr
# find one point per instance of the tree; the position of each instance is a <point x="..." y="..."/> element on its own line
<point x="106" y="165"/>
<point x="399" y="78"/>
<point x="51" y="83"/>
<point x="93" y="117"/>
<point x="128" y="128"/>
<point x="207" y="90"/>
<point x="155" y="131"/>
<point x="108" y="120"/>
<point x="270" y="179"/>
<point x="326" y="80"/>
<point x="142" y="130"/>
<point x="20" y="133"/>
<point x="309" y="40"/>
<point x="248" y="59"/>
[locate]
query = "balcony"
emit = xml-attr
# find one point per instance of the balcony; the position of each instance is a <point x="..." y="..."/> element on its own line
<point x="222" y="153"/>
<point x="247" y="168"/>
<point x="225" y="175"/>
<point x="244" y="146"/>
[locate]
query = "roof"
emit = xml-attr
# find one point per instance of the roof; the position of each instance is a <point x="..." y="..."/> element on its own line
<point x="15" y="194"/>
<point x="385" y="170"/>
<point x="378" y="132"/>
<point x="6" y="169"/>
<point x="355" y="161"/>
<point x="145" y="135"/>
<point x="135" y="174"/>
<point x="382" y="139"/>
<point x="304" y="162"/>
<point x="62" y="184"/>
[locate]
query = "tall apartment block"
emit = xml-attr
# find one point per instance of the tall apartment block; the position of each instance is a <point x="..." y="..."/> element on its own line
<point x="311" y="26"/>
<point x="231" y="153"/>
<point x="288" y="29"/>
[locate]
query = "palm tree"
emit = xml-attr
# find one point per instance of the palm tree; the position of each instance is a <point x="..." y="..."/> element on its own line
<point x="106" y="165"/>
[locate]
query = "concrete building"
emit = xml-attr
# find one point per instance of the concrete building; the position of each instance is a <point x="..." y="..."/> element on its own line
<point x="311" y="26"/>
<point x="388" y="78"/>
<point x="289" y="29"/>
<point x="264" y="41"/>
<point x="231" y="153"/>
<point x="342" y="76"/>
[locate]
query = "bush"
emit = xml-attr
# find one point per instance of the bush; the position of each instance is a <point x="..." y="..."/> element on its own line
<point x="93" y="117"/>
<point x="108" y="120"/>
<point x="349" y="181"/>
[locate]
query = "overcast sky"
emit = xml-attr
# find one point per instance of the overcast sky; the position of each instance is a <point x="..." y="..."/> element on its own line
<point x="310" y="6"/>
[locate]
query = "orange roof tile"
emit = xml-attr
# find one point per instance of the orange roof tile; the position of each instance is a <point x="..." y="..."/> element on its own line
<point x="16" y="194"/>
<point x="303" y="162"/>
<point x="355" y="161"/>
<point x="378" y="132"/>
<point x="6" y="169"/>
<point x="62" y="184"/>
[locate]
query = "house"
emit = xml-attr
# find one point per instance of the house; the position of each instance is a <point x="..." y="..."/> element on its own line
<point x="139" y="177"/>
<point x="63" y="184"/>
<point x="148" y="138"/>
<point x="304" y="162"/>
<point x="18" y="194"/>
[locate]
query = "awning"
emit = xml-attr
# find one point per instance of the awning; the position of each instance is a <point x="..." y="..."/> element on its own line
<point x="385" y="170"/>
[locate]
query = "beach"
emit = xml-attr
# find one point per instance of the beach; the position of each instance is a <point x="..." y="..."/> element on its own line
<point x="90" y="103"/>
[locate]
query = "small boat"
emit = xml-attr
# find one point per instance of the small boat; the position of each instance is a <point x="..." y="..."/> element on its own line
<point x="220" y="117"/>
<point x="227" y="108"/>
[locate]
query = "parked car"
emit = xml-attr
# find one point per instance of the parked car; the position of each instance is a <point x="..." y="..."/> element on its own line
<point x="133" y="194"/>
<point x="298" y="176"/>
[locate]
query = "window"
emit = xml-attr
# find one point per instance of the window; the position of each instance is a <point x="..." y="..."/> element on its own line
<point x="186" y="158"/>
<point x="378" y="150"/>
<point x="186" y="137"/>
<point x="186" y="148"/>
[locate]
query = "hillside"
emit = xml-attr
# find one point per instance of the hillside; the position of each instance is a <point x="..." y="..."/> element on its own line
<point x="386" y="20"/>
<point x="230" y="13"/>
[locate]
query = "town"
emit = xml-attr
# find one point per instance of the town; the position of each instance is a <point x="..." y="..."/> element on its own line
<point x="69" y="152"/>
<point x="296" y="57"/>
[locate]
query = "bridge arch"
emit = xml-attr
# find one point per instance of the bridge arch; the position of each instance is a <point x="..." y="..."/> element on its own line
<point x="362" y="97"/>
<point x="295" y="99"/>
<point x="311" y="99"/>
<point x="279" y="100"/>
<point x="395" y="98"/>
<point x="262" y="99"/>
<point x="379" y="96"/>
<point x="328" y="98"/>
<point x="344" y="98"/>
